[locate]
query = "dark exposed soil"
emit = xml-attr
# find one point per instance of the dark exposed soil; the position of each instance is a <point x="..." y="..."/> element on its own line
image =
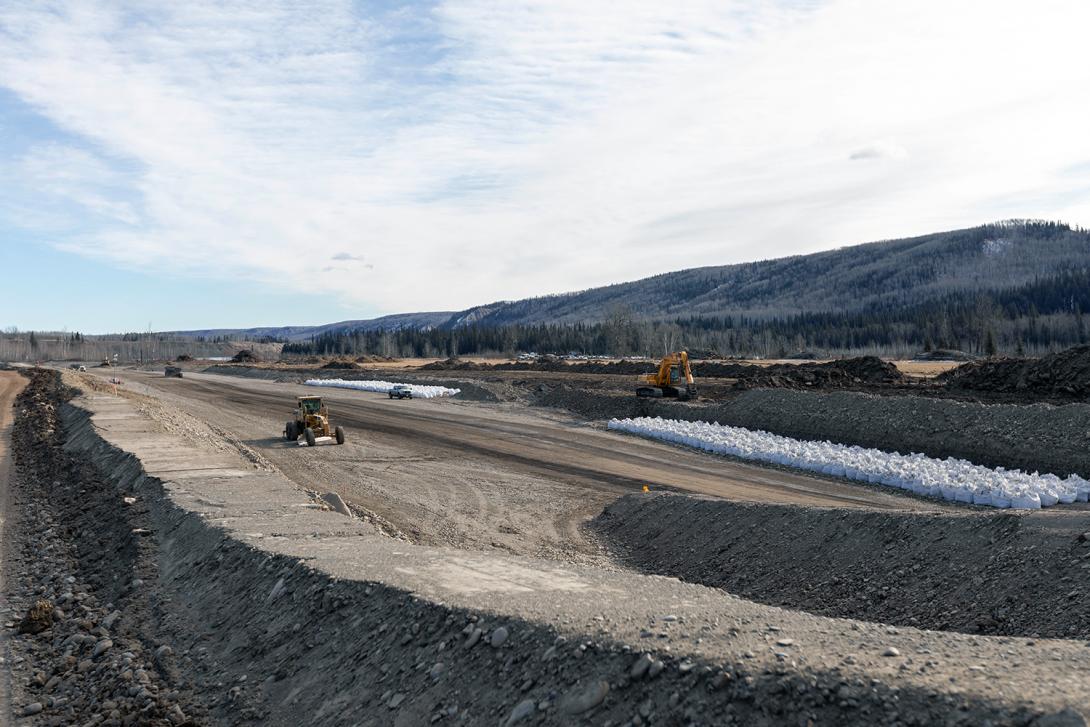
<point x="340" y="364"/>
<point x="865" y="371"/>
<point x="844" y="374"/>
<point x="93" y="634"/>
<point x="1066" y="373"/>
<point x="988" y="573"/>
<point x="245" y="356"/>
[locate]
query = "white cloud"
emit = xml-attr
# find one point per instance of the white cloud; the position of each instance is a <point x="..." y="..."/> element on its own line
<point x="472" y="151"/>
<point x="879" y="150"/>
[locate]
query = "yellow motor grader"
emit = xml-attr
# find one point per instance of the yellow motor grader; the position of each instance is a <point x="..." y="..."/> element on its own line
<point x="311" y="421"/>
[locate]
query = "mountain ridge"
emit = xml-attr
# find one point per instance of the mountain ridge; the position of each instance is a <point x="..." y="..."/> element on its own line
<point x="887" y="273"/>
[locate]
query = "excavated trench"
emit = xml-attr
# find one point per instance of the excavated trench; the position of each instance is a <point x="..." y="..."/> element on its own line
<point x="211" y="630"/>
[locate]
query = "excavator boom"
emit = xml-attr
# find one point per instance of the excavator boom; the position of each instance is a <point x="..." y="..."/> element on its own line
<point x="674" y="378"/>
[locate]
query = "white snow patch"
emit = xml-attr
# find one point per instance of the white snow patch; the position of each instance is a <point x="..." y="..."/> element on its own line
<point x="951" y="479"/>
<point x="383" y="387"/>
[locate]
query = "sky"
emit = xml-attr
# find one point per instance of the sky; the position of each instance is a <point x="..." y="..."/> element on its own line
<point x="219" y="164"/>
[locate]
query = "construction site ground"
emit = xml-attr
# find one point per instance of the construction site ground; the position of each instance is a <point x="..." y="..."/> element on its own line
<point x="509" y="514"/>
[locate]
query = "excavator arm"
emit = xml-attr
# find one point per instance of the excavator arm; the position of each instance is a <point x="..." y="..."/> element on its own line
<point x="673" y="378"/>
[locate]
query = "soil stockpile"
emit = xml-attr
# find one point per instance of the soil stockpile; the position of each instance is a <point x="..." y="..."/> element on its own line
<point x="1002" y="574"/>
<point x="867" y="371"/>
<point x="849" y="373"/>
<point x="340" y="364"/>
<point x="245" y="356"/>
<point x="1066" y="373"/>
<point x="454" y="364"/>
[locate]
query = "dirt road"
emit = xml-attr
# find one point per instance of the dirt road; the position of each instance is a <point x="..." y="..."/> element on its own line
<point x="11" y="383"/>
<point x="480" y="476"/>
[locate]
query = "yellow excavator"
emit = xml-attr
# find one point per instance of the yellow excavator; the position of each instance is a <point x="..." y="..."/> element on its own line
<point x="674" y="378"/>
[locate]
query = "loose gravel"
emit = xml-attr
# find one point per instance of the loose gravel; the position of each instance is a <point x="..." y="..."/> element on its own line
<point x="265" y="637"/>
<point x="988" y="573"/>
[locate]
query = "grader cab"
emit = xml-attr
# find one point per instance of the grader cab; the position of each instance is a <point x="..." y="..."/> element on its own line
<point x="311" y="421"/>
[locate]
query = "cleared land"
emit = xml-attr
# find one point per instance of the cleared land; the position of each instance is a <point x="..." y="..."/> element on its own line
<point x="463" y="474"/>
<point x="496" y="555"/>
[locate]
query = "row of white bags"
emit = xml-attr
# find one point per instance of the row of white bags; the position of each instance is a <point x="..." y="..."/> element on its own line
<point x="950" y="479"/>
<point x="383" y="387"/>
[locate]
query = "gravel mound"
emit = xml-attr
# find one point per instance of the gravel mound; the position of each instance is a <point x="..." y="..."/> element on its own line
<point x="246" y="355"/>
<point x="340" y="364"/>
<point x="845" y="374"/>
<point x="974" y="573"/>
<point x="454" y="364"/>
<point x="1066" y="373"/>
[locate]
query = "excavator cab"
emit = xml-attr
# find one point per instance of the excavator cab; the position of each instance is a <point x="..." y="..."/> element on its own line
<point x="674" y="378"/>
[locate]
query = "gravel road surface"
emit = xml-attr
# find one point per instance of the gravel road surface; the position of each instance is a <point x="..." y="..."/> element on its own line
<point x="482" y="476"/>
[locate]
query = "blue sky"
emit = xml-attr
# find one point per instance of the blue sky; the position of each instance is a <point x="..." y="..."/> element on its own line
<point x="208" y="164"/>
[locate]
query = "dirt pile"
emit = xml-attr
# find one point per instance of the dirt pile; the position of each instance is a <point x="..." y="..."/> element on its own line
<point x="246" y="355"/>
<point x="340" y="364"/>
<point x="454" y="364"/>
<point x="1065" y="374"/>
<point x="1000" y="574"/>
<point x="864" y="371"/>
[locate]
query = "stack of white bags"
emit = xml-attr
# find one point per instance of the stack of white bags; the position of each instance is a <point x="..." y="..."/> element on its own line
<point x="383" y="387"/>
<point x="950" y="479"/>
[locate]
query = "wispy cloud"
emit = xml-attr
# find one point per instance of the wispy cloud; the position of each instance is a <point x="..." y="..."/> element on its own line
<point x="879" y="150"/>
<point x="444" y="154"/>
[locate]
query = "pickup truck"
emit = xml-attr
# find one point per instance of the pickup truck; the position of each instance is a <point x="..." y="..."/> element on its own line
<point x="401" y="391"/>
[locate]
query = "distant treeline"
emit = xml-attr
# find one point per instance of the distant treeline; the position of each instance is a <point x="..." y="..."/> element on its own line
<point x="1043" y="315"/>
<point x="16" y="345"/>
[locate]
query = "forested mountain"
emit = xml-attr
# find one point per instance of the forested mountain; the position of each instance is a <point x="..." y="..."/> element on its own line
<point x="1007" y="286"/>
<point x="898" y="272"/>
<point x="302" y="333"/>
